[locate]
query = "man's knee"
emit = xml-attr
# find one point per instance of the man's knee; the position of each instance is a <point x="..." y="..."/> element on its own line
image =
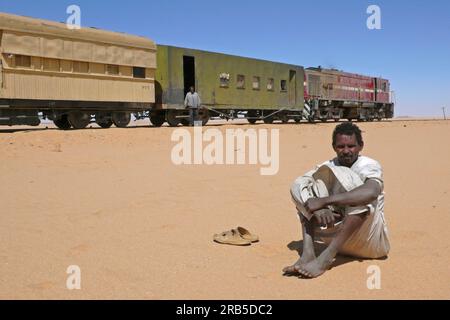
<point x="296" y="192"/>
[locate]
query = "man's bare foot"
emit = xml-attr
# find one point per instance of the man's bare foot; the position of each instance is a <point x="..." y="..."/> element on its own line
<point x="315" y="268"/>
<point x="295" y="268"/>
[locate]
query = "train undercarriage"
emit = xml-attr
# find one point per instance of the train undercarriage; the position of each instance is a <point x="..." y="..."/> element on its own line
<point x="312" y="112"/>
<point x="66" y="116"/>
<point x="324" y="110"/>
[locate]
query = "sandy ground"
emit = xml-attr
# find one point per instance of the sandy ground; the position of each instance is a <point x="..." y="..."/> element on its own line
<point x="139" y="227"/>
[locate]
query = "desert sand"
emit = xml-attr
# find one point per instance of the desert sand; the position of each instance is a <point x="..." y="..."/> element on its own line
<point x="139" y="227"/>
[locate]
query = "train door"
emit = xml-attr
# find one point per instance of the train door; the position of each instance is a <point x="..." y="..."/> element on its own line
<point x="314" y="85"/>
<point x="292" y="87"/>
<point x="189" y="73"/>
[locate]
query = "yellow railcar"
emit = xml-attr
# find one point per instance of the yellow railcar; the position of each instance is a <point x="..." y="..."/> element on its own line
<point x="228" y="86"/>
<point x="71" y="75"/>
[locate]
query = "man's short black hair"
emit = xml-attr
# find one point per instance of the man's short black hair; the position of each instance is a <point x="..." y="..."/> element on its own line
<point x="348" y="129"/>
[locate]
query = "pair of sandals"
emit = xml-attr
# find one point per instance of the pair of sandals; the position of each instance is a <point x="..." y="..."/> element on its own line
<point x="237" y="237"/>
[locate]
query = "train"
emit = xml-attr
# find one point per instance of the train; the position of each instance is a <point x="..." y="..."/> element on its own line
<point x="335" y="94"/>
<point x="75" y="77"/>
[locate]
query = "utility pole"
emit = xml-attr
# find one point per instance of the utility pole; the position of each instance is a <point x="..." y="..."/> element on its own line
<point x="443" y="111"/>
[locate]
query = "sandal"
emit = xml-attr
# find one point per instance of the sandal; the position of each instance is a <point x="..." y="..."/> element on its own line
<point x="231" y="237"/>
<point x="244" y="233"/>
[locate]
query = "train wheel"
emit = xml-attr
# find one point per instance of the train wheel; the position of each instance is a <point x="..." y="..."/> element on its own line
<point x="121" y="119"/>
<point x="62" y="123"/>
<point x="284" y="118"/>
<point x="251" y="115"/>
<point x="297" y="120"/>
<point x="79" y="120"/>
<point x="103" y="120"/>
<point x="172" y="118"/>
<point x="105" y="124"/>
<point x="157" y="119"/>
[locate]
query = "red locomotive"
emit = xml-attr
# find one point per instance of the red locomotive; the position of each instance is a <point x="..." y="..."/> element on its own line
<point x="333" y="94"/>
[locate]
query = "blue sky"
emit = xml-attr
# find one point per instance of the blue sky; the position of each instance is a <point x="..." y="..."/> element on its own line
<point x="412" y="49"/>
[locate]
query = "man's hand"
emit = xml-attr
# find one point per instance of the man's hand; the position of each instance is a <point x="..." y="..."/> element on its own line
<point x="314" y="204"/>
<point x="326" y="217"/>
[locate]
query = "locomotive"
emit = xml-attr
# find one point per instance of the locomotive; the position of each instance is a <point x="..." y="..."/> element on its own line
<point x="334" y="94"/>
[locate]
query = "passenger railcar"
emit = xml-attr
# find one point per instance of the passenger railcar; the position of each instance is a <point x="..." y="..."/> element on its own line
<point x="227" y="85"/>
<point x="72" y="76"/>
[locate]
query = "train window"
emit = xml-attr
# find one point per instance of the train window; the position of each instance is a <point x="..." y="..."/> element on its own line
<point x="139" y="72"/>
<point x="112" y="69"/>
<point x="283" y="85"/>
<point x="66" y="66"/>
<point x="384" y="87"/>
<point x="126" y="71"/>
<point x="96" y="68"/>
<point x="23" y="61"/>
<point x="80" y="67"/>
<point x="224" y="80"/>
<point x="51" y="64"/>
<point x="256" y="83"/>
<point x="270" y="83"/>
<point x="240" y="84"/>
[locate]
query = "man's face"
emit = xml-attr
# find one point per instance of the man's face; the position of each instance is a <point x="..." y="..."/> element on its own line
<point x="347" y="149"/>
<point x="192" y="90"/>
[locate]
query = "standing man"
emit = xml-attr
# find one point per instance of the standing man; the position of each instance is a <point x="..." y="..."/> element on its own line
<point x="192" y="101"/>
<point x="342" y="203"/>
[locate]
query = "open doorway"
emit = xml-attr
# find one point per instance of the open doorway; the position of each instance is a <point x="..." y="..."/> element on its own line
<point x="292" y="87"/>
<point x="189" y="73"/>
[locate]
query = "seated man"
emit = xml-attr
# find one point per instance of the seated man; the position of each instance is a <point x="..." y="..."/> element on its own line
<point x="341" y="202"/>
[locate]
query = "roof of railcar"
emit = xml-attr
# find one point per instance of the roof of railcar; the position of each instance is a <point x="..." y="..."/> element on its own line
<point x="230" y="55"/>
<point x="17" y="23"/>
<point x="341" y="73"/>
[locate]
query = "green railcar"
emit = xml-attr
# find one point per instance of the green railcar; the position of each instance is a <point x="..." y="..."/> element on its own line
<point x="228" y="86"/>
